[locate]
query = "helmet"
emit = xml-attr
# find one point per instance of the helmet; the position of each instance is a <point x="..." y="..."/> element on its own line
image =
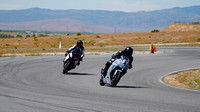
<point x="80" y="43"/>
<point x="128" y="51"/>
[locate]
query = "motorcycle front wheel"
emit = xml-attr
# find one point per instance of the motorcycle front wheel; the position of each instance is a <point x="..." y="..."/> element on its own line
<point x="66" y="67"/>
<point x="115" y="79"/>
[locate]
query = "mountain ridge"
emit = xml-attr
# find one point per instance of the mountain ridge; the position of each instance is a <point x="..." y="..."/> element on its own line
<point x="99" y="21"/>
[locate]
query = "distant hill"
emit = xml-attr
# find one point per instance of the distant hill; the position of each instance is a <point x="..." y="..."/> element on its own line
<point x="96" y="21"/>
<point x="182" y="27"/>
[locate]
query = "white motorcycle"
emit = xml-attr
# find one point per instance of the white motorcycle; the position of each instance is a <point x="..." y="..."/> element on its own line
<point x="116" y="70"/>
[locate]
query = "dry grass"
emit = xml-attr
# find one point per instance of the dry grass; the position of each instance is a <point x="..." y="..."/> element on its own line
<point x="101" y="40"/>
<point x="183" y="27"/>
<point x="124" y="39"/>
<point x="187" y="79"/>
<point x="53" y="51"/>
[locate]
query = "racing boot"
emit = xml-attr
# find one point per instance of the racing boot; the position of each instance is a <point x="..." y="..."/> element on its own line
<point x="78" y="63"/>
<point x="104" y="71"/>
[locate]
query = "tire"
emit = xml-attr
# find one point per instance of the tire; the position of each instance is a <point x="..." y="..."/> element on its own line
<point x="66" y="67"/>
<point x="115" y="79"/>
<point x="101" y="81"/>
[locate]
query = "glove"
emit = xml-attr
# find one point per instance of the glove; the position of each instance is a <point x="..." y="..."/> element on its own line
<point x="130" y="66"/>
<point x="68" y="52"/>
<point x="113" y="56"/>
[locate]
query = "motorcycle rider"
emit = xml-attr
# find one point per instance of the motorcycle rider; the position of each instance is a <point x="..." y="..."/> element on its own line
<point x="128" y="51"/>
<point x="79" y="45"/>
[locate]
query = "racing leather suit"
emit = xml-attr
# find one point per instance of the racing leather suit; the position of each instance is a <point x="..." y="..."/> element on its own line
<point x="82" y="52"/>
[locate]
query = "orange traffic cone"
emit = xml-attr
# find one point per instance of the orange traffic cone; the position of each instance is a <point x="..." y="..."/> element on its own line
<point x="151" y="48"/>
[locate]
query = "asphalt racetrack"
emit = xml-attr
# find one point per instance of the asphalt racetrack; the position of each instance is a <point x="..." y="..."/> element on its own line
<point x="36" y="84"/>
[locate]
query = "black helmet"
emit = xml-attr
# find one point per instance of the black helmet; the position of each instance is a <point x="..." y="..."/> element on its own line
<point x="80" y="43"/>
<point x="128" y="51"/>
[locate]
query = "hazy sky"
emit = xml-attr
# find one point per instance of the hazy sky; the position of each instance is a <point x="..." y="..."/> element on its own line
<point x="113" y="5"/>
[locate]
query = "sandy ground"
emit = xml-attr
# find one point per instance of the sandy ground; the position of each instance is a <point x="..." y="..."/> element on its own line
<point x="188" y="76"/>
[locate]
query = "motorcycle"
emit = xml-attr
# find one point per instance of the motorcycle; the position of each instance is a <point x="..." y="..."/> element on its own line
<point x="71" y="60"/>
<point x="116" y="70"/>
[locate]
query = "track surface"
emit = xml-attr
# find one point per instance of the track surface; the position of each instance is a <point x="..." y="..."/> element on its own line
<point x="36" y="84"/>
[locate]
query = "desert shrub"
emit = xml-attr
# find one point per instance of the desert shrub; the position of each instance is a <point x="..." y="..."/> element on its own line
<point x="197" y="80"/>
<point x="28" y="36"/>
<point x="35" y="38"/>
<point x="155" y="30"/>
<point x="35" y="44"/>
<point x="76" y="38"/>
<point x="78" y="34"/>
<point x="193" y="84"/>
<point x="101" y="45"/>
<point x="43" y="48"/>
<point x="42" y="35"/>
<point x="83" y="39"/>
<point x="91" y="42"/>
<point x="53" y="45"/>
<point x="19" y="36"/>
<point x="97" y="36"/>
<point x="15" y="46"/>
<point x="190" y="79"/>
<point x="115" y="43"/>
<point x="112" y="38"/>
<point x="198" y="38"/>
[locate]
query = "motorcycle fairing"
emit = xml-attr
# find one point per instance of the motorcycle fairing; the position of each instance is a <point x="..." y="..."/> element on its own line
<point x="107" y="78"/>
<point x="66" y="58"/>
<point x="121" y="63"/>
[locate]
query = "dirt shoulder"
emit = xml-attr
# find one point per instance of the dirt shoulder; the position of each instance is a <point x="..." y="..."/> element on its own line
<point x="189" y="79"/>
